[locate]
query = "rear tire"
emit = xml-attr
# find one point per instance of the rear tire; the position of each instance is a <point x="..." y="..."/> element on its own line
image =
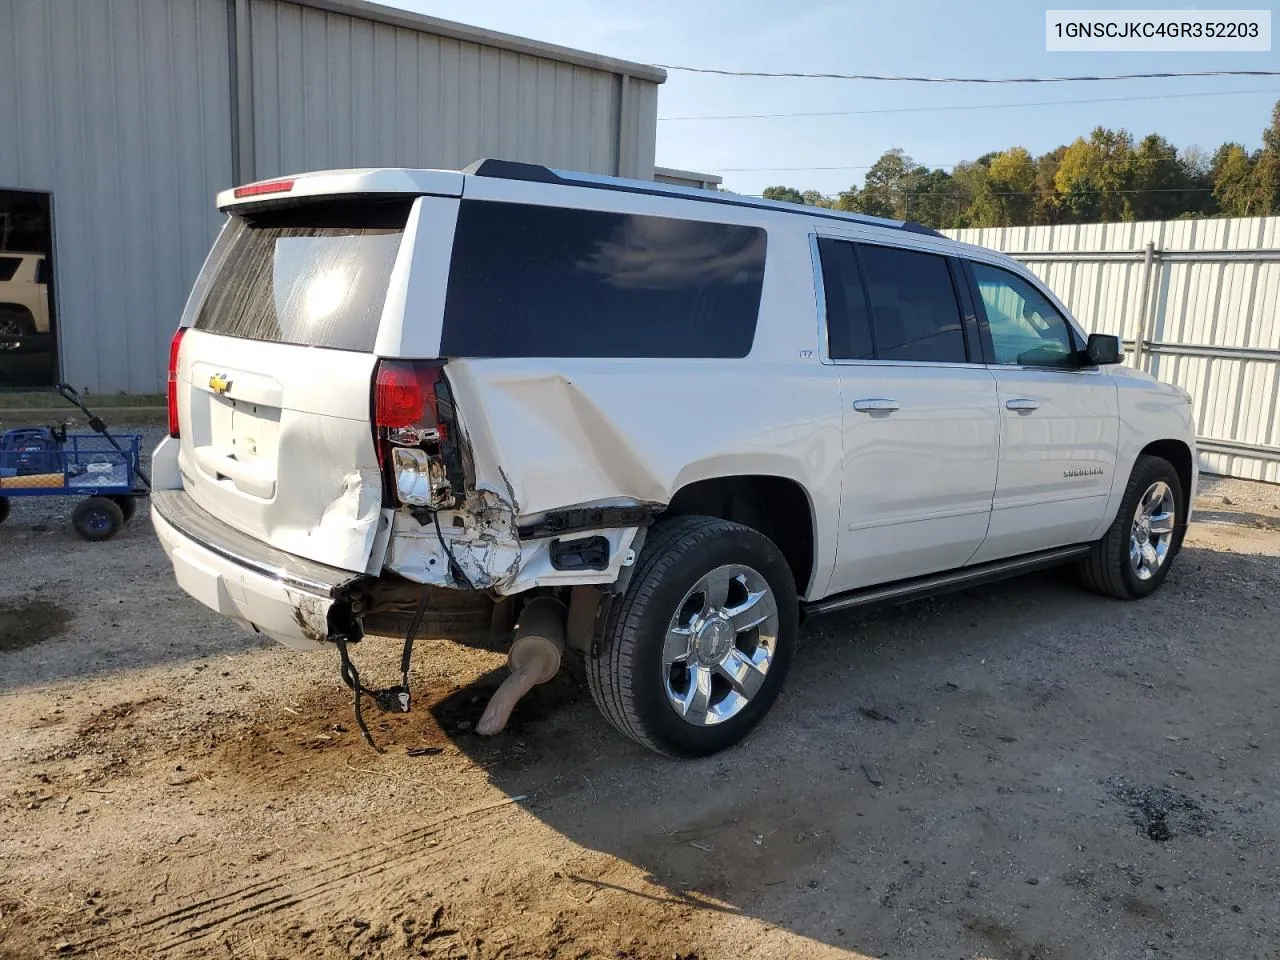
<point x="683" y="670"/>
<point x="1120" y="565"/>
<point x="98" y="519"/>
<point x="4" y="509"/>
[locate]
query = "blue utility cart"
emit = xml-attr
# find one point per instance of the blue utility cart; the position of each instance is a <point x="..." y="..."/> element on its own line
<point x="50" y="462"/>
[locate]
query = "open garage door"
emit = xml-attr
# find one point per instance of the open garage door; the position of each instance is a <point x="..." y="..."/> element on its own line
<point x="28" y="333"/>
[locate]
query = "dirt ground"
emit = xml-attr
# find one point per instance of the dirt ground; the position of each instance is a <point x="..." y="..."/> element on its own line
<point x="1022" y="772"/>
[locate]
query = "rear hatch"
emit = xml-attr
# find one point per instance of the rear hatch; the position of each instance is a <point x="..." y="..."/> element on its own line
<point x="275" y="372"/>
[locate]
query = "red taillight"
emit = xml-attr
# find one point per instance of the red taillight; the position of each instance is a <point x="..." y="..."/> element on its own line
<point x="266" y="186"/>
<point x="174" y="346"/>
<point x="420" y="466"/>
<point x="405" y="396"/>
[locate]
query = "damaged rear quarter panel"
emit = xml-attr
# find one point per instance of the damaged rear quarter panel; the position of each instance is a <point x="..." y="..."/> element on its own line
<point x="561" y="433"/>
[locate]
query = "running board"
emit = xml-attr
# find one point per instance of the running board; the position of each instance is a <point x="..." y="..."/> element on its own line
<point x="917" y="587"/>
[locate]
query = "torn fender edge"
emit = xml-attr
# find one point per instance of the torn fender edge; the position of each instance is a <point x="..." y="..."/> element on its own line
<point x="494" y="553"/>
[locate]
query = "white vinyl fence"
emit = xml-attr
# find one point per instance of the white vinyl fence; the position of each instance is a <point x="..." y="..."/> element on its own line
<point x="1197" y="303"/>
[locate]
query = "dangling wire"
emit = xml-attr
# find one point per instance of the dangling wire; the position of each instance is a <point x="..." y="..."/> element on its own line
<point x="390" y="699"/>
<point x="394" y="699"/>
<point x="351" y="677"/>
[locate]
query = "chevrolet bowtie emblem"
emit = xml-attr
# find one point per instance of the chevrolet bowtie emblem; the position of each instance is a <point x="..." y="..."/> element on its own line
<point x="218" y="383"/>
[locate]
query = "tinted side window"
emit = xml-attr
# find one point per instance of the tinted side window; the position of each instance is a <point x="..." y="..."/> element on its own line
<point x="530" y="281"/>
<point x="914" y="311"/>
<point x="8" y="267"/>
<point x="848" y="322"/>
<point x="1026" y="329"/>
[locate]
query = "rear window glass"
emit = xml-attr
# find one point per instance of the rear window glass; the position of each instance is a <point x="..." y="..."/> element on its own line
<point x="530" y="281"/>
<point x="314" y="275"/>
<point x="8" y="267"/>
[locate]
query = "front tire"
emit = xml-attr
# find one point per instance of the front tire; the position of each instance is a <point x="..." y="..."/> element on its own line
<point x="1133" y="557"/>
<point x="696" y="650"/>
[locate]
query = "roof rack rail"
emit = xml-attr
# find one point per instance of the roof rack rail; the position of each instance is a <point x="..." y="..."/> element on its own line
<point x="537" y="173"/>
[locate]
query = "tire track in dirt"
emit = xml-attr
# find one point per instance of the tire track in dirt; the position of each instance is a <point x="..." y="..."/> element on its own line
<point x="193" y="922"/>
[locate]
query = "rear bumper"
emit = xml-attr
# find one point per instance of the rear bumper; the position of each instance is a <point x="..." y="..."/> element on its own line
<point x="286" y="597"/>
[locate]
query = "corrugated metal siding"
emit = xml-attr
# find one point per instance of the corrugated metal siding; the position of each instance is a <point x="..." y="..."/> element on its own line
<point x="1193" y="303"/>
<point x="330" y="90"/>
<point x="121" y="110"/>
<point x="644" y="119"/>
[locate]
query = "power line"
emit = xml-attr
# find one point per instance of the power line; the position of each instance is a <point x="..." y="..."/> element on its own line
<point x="1166" y="75"/>
<point x="976" y="106"/>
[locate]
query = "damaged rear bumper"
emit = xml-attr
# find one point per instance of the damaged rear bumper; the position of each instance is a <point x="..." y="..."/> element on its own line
<point x="291" y="599"/>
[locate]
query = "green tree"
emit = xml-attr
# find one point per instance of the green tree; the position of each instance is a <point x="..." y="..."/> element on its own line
<point x="1011" y="177"/>
<point x="1093" y="176"/>
<point x="1103" y="177"/>
<point x="883" y="192"/>
<point x="1266" y="169"/>
<point x="933" y="198"/>
<point x="1233" y="180"/>
<point x="1048" y="206"/>
<point x="1162" y="183"/>
<point x="787" y="194"/>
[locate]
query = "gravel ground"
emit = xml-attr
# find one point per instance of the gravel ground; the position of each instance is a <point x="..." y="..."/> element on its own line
<point x="1022" y="772"/>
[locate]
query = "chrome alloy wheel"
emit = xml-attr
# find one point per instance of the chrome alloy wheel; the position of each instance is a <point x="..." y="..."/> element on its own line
<point x="719" y="645"/>
<point x="1152" y="532"/>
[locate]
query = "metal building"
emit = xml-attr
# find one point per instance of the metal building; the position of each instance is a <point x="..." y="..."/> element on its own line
<point x="687" y="178"/>
<point x="121" y="119"/>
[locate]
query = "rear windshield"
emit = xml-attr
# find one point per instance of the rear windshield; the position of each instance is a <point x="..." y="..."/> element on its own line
<point x="530" y="281"/>
<point x="314" y="275"/>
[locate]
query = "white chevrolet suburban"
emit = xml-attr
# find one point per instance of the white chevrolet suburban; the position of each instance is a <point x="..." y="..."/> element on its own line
<point x="651" y="426"/>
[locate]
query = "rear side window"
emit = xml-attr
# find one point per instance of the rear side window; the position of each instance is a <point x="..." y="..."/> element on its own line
<point x="886" y="303"/>
<point x="530" y="281"/>
<point x="848" y="318"/>
<point x="914" y="311"/>
<point x="314" y="274"/>
<point x="8" y="267"/>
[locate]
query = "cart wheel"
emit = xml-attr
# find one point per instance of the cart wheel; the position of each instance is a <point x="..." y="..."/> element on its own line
<point x="98" y="519"/>
<point x="128" y="505"/>
<point x="4" y="509"/>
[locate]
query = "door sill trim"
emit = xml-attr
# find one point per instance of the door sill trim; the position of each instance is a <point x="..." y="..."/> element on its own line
<point x="914" y="588"/>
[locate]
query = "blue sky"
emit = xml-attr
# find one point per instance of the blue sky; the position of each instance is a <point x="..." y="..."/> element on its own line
<point x="930" y="37"/>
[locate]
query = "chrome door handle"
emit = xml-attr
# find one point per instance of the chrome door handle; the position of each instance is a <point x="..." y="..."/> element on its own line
<point x="875" y="404"/>
<point x="1022" y="405"/>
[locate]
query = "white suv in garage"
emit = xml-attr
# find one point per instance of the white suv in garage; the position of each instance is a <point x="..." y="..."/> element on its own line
<point x="24" y="296"/>
<point x="689" y="418"/>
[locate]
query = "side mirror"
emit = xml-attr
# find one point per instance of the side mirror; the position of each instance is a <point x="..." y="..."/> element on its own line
<point x="1103" y="348"/>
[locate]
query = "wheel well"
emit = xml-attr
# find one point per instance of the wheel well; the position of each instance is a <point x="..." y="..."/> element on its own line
<point x="1178" y="454"/>
<point x="774" y="506"/>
